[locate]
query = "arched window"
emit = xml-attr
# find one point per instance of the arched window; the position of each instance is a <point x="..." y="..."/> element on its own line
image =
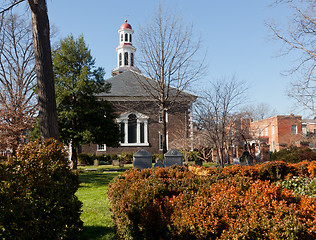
<point x="121" y="37"/>
<point x="126" y="37"/>
<point x="132" y="59"/>
<point x="126" y="58"/>
<point x="130" y="38"/>
<point x="132" y="128"/>
<point x="120" y="59"/>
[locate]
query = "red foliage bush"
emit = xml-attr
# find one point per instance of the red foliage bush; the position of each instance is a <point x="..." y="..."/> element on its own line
<point x="207" y="203"/>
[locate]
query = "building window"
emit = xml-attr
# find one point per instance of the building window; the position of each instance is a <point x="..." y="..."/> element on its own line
<point x="294" y="129"/>
<point x="160" y="116"/>
<point x="120" y="59"/>
<point x="266" y="131"/>
<point x="126" y="58"/>
<point x="142" y="132"/>
<point x="101" y="147"/>
<point x="134" y="129"/>
<point x="130" y="38"/>
<point x="257" y="132"/>
<point x="261" y="132"/>
<point x="121" y="37"/>
<point x="126" y="37"/>
<point x="272" y="129"/>
<point x="132" y="59"/>
<point x="304" y="129"/>
<point x="122" y="127"/>
<point x="160" y="141"/>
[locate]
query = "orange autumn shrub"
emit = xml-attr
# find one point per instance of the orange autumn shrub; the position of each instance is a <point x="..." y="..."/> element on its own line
<point x="212" y="203"/>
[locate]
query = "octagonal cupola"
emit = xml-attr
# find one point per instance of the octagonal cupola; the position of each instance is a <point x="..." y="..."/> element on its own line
<point x="125" y="50"/>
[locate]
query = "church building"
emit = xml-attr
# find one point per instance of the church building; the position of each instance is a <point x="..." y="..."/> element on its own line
<point x="139" y="116"/>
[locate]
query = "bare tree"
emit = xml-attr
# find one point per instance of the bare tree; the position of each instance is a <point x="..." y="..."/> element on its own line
<point x="169" y="55"/>
<point x="259" y="111"/>
<point x="17" y="81"/>
<point x="44" y="67"/>
<point x="299" y="38"/>
<point x="216" y="112"/>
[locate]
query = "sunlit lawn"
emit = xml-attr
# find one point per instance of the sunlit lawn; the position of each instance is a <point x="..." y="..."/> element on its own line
<point x="95" y="210"/>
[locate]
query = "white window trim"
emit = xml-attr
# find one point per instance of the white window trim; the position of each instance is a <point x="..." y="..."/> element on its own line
<point x="141" y="118"/>
<point x="266" y="131"/>
<point x="295" y="130"/>
<point x="101" y="149"/>
<point x="160" y="116"/>
<point x="160" y="141"/>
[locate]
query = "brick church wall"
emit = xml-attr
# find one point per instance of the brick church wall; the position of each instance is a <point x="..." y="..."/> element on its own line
<point x="178" y="118"/>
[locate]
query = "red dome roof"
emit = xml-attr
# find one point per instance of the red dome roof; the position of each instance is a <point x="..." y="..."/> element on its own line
<point x="126" y="25"/>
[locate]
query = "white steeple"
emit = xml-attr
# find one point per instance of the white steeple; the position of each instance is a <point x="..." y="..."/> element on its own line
<point x="125" y="50"/>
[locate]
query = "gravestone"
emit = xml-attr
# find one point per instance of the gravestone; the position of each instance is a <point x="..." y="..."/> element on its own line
<point x="246" y="158"/>
<point x="158" y="164"/>
<point x="96" y="162"/>
<point x="142" y="159"/>
<point x="198" y="162"/>
<point x="115" y="162"/>
<point x="173" y="157"/>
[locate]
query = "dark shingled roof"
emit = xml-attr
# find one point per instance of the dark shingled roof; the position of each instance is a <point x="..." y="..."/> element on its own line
<point x="133" y="84"/>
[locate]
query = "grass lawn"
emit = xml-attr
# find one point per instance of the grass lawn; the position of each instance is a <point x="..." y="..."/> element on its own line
<point x="95" y="210"/>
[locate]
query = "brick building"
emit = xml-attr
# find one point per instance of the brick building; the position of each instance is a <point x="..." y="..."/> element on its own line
<point x="278" y="132"/>
<point x="138" y="113"/>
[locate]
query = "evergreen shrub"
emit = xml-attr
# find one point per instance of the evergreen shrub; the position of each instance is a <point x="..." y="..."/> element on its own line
<point x="237" y="202"/>
<point x="37" y="194"/>
<point x="294" y="154"/>
<point x="86" y="159"/>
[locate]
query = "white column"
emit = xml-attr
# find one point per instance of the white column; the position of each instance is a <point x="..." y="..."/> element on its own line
<point x="138" y="132"/>
<point x="191" y="127"/>
<point x="125" y="130"/>
<point x="146" y="131"/>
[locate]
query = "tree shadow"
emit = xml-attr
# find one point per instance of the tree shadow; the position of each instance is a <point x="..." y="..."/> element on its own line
<point x="97" y="179"/>
<point x="98" y="232"/>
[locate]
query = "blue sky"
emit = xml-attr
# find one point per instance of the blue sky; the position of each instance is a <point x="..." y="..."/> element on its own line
<point x="233" y="33"/>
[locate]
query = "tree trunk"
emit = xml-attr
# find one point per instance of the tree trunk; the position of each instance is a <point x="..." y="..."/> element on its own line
<point x="164" y="131"/>
<point x="44" y="70"/>
<point x="222" y="157"/>
<point x="74" y="157"/>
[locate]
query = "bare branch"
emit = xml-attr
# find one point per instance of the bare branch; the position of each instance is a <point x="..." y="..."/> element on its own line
<point x="11" y="6"/>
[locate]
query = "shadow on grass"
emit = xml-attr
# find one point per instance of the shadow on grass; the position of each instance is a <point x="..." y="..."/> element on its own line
<point x="97" y="179"/>
<point x="98" y="232"/>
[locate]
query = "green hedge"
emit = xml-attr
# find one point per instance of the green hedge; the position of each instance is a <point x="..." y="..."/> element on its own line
<point x="294" y="154"/>
<point x="88" y="159"/>
<point x="212" y="203"/>
<point x="37" y="194"/>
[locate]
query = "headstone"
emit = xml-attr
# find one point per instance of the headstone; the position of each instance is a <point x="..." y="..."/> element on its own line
<point x="142" y="159"/>
<point x="246" y="158"/>
<point x="96" y="162"/>
<point x="159" y="160"/>
<point x="121" y="164"/>
<point x="115" y="162"/>
<point x="173" y="157"/>
<point x="158" y="164"/>
<point x="198" y="162"/>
